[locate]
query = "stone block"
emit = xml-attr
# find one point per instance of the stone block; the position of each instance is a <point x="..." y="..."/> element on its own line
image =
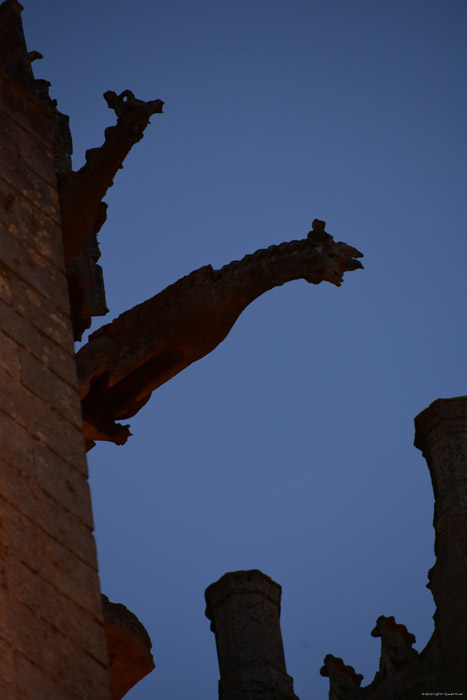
<point x="50" y="388"/>
<point x="8" y="674"/>
<point x="15" y="441"/>
<point x="21" y="490"/>
<point x="38" y="272"/>
<point x="34" y="684"/>
<point x="25" y="109"/>
<point x="9" y="356"/>
<point x="41" y="313"/>
<point x="30" y="224"/>
<point x="63" y="482"/>
<point x="55" y="431"/>
<point x="59" y="360"/>
<point x="42" y="421"/>
<point x="69" y="574"/>
<point x="8" y="131"/>
<point x="11" y="391"/>
<point x="53" y="607"/>
<point x="18" y="535"/>
<point x="73" y="670"/>
<point x="27" y="183"/>
<point x="34" y="153"/>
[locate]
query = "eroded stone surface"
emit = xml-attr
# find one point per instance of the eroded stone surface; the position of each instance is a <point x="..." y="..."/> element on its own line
<point x="396" y="645"/>
<point x="441" y="434"/>
<point x="344" y="682"/>
<point x="81" y="192"/>
<point x="126" y="360"/>
<point x="244" y="609"/>
<point x="129" y="647"/>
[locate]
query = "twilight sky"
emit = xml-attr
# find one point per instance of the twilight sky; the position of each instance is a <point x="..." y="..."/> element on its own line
<point x="289" y="448"/>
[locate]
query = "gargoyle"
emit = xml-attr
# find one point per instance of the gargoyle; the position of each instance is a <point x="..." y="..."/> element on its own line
<point x="344" y="682"/>
<point x="396" y="645"/>
<point x="81" y="192"/>
<point x="126" y="360"/>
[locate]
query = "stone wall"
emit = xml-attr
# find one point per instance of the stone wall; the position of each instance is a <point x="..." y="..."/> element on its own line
<point x="52" y="643"/>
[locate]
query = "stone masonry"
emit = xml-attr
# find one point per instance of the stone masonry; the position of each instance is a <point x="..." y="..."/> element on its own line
<point x="52" y="643"/>
<point x="244" y="609"/>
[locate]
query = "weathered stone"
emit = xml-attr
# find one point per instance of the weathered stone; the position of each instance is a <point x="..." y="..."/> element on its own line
<point x="244" y="609"/>
<point x="86" y="286"/>
<point x="14" y="59"/>
<point x="344" y="682"/>
<point x="70" y="490"/>
<point x="24" y="109"/>
<point x="81" y="192"/>
<point x="129" y="647"/>
<point x="27" y="182"/>
<point x="396" y="645"/>
<point x="76" y="623"/>
<point x="440" y="668"/>
<point x="441" y="434"/>
<point x="53" y="643"/>
<point x="126" y="360"/>
<point x="20" y="486"/>
<point x="26" y="263"/>
<point x="29" y="224"/>
<point x="28" y="336"/>
<point x="73" y="670"/>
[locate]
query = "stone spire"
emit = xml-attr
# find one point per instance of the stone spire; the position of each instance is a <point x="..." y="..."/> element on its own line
<point x="441" y="434"/>
<point x="244" y="609"/>
<point x="440" y="668"/>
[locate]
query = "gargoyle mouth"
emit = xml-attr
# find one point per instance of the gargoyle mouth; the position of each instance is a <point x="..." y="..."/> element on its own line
<point x="334" y="273"/>
<point x="352" y="264"/>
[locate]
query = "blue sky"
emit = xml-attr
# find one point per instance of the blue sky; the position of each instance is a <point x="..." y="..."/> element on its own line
<point x="289" y="448"/>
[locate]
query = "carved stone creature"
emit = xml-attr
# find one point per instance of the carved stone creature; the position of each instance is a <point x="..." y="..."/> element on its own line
<point x="396" y="645"/>
<point x="344" y="682"/>
<point x="126" y="360"/>
<point x="81" y="192"/>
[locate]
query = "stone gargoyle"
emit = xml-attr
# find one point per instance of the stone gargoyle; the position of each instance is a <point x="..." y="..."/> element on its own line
<point x="344" y="681"/>
<point x="127" y="359"/>
<point x="81" y="192"/>
<point x="396" y="645"/>
<point x="81" y="207"/>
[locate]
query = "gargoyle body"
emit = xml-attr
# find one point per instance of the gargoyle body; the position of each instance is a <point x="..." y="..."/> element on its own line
<point x="81" y="192"/>
<point x="344" y="682"/>
<point x="396" y="645"/>
<point x="126" y="360"/>
<point x="82" y="210"/>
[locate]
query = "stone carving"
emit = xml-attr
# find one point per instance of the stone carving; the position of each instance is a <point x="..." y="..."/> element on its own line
<point x="82" y="210"/>
<point x="440" y="668"/>
<point x="81" y="192"/>
<point x="344" y="682"/>
<point x="129" y="648"/>
<point x="126" y="360"/>
<point x="396" y="645"/>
